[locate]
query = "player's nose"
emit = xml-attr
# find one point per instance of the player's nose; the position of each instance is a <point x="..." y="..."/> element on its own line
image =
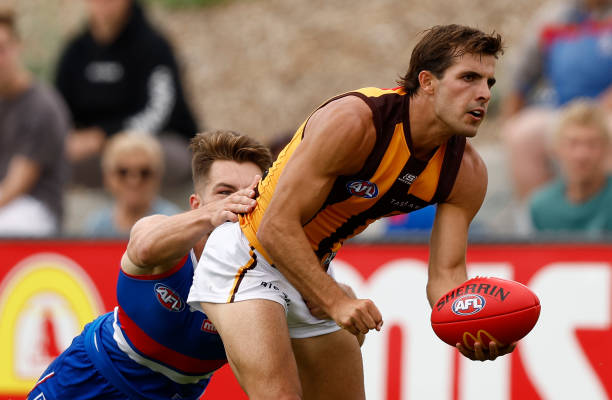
<point x="483" y="92"/>
<point x="486" y="91"/>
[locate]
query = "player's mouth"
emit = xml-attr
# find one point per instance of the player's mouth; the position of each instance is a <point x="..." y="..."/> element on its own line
<point x="477" y="113"/>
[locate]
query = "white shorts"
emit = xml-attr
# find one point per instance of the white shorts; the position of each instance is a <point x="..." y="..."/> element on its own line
<point x="230" y="270"/>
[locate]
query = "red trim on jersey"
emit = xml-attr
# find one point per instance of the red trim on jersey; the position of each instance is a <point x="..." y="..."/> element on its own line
<point x="159" y="276"/>
<point x="553" y="32"/>
<point x="397" y="88"/>
<point x="49" y="375"/>
<point x="162" y="354"/>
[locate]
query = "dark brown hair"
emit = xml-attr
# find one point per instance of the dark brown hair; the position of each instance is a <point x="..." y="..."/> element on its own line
<point x="208" y="147"/>
<point x="7" y="19"/>
<point x="437" y="51"/>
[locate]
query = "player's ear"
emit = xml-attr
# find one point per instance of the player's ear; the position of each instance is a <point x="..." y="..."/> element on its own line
<point x="426" y="81"/>
<point x="195" y="201"/>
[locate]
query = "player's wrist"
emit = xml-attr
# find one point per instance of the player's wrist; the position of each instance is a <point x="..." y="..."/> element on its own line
<point x="337" y="299"/>
<point x="207" y="218"/>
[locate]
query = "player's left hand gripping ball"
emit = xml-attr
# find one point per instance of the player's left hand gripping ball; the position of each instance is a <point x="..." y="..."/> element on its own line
<point x="485" y="310"/>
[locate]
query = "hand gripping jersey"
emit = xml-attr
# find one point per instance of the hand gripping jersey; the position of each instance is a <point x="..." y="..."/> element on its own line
<point x="391" y="182"/>
<point x="153" y="346"/>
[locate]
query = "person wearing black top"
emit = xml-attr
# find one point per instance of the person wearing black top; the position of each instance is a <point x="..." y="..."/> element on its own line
<point x="120" y="74"/>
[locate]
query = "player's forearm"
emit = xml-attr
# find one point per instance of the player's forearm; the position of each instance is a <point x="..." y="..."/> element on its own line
<point x="291" y="253"/>
<point x="163" y="239"/>
<point x="442" y="281"/>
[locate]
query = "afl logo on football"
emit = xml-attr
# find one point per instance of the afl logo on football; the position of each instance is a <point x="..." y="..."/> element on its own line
<point x="468" y="304"/>
<point x="169" y="298"/>
<point x="365" y="189"/>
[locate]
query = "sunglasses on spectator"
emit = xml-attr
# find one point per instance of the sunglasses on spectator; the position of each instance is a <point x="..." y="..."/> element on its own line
<point x="142" y="173"/>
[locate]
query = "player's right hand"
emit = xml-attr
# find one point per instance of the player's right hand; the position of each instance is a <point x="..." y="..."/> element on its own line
<point x="239" y="202"/>
<point x="356" y="315"/>
<point x="482" y="353"/>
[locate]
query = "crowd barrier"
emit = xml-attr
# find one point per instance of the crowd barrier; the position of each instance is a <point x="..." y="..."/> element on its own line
<point x="50" y="289"/>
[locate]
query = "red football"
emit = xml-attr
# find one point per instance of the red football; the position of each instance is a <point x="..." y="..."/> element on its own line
<point x="485" y="309"/>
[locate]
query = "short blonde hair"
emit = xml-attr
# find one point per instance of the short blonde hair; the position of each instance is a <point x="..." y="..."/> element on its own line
<point x="583" y="112"/>
<point x="125" y="143"/>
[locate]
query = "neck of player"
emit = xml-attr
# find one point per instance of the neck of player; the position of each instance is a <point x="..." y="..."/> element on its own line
<point x="426" y="131"/>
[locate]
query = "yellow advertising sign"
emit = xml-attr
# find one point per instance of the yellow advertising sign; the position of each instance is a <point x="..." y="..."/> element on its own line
<point x="45" y="300"/>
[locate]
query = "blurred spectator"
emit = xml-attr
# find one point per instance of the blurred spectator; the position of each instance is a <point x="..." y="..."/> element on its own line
<point x="582" y="199"/>
<point x="120" y="74"/>
<point x="419" y="221"/>
<point x="132" y="166"/>
<point x="567" y="54"/>
<point x="33" y="128"/>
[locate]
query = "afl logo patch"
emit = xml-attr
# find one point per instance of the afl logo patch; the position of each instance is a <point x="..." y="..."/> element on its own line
<point x="169" y="298"/>
<point x="365" y="189"/>
<point x="468" y="304"/>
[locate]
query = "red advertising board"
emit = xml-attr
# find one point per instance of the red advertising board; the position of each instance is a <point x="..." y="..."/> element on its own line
<point x="50" y="289"/>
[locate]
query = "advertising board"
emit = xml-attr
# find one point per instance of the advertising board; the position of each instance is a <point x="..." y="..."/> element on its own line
<point x="50" y="289"/>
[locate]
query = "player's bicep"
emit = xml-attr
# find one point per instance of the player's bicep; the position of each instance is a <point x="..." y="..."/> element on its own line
<point x="138" y="247"/>
<point x="453" y="217"/>
<point x="302" y="187"/>
<point x="337" y="140"/>
<point x="470" y="186"/>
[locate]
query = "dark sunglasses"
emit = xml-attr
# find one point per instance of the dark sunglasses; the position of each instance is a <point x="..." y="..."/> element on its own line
<point x="142" y="173"/>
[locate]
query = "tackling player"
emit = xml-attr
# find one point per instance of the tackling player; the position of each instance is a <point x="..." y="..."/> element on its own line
<point x="152" y="346"/>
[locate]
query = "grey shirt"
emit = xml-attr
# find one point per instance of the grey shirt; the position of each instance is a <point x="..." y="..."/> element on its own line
<point x="34" y="124"/>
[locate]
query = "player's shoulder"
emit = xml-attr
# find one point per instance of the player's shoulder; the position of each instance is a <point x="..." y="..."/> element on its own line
<point x="349" y="117"/>
<point x="471" y="183"/>
<point x="472" y="163"/>
<point x="343" y="132"/>
<point x="349" y="105"/>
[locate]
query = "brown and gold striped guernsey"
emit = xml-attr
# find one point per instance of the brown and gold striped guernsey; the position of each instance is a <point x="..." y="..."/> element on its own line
<point x="391" y="181"/>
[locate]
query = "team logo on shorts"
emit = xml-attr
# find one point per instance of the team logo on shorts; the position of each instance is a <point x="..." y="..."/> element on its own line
<point x="468" y="304"/>
<point x="365" y="189"/>
<point x="169" y="298"/>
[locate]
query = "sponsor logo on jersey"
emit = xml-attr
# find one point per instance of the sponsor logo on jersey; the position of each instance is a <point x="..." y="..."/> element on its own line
<point x="407" y="179"/>
<point x="169" y="298"/>
<point x="365" y="189"/>
<point x="208" y="326"/>
<point x="468" y="304"/>
<point x="405" y="204"/>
